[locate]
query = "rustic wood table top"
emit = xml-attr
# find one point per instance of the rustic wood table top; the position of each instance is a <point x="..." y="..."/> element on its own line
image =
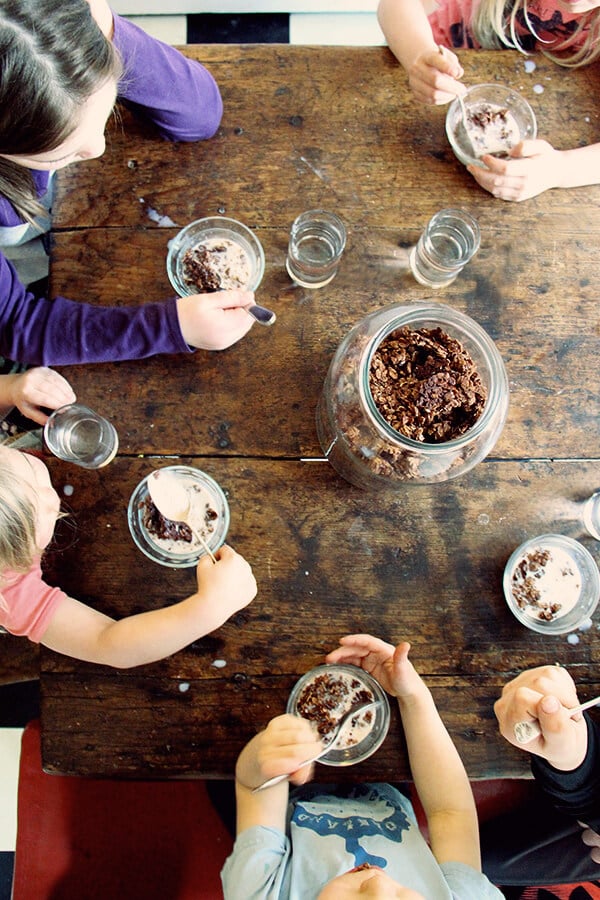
<point x="335" y="128"/>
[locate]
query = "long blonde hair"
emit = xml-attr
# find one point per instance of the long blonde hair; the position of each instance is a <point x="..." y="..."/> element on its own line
<point x="18" y="545"/>
<point x="494" y="25"/>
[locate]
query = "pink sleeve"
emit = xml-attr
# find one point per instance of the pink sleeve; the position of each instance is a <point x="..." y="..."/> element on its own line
<point x="27" y="604"/>
<point x="451" y="24"/>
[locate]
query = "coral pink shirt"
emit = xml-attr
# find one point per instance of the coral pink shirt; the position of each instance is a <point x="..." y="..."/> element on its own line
<point x="451" y="25"/>
<point x="27" y="604"/>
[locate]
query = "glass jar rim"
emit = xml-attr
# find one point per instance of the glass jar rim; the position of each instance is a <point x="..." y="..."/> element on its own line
<point x="439" y="315"/>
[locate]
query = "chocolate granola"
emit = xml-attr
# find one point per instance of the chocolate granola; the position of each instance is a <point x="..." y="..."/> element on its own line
<point x="321" y="699"/>
<point x="425" y="385"/>
<point x="524" y="589"/>
<point x="165" y="529"/>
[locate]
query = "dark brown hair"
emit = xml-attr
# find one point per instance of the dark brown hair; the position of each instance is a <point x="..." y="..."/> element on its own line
<point x="53" y="57"/>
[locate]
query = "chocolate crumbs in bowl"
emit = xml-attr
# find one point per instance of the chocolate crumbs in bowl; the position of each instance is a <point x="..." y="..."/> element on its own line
<point x="325" y="699"/>
<point x="425" y="385"/>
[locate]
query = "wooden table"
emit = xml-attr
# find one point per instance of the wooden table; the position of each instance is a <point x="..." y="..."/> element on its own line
<point x="335" y="128"/>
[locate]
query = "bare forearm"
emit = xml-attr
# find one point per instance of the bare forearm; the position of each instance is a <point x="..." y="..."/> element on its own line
<point x="441" y="782"/>
<point x="84" y="633"/>
<point x="579" y="166"/>
<point x="437" y="769"/>
<point x="406" y="29"/>
<point x="154" y="635"/>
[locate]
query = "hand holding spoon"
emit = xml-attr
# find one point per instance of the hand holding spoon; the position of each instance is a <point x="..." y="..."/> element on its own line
<point x="331" y="744"/>
<point x="172" y="501"/>
<point x="527" y="731"/>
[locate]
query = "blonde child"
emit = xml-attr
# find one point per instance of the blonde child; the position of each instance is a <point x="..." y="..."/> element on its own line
<point x="29" y="508"/>
<point x="568" y="31"/>
<point x="362" y="842"/>
<point x="63" y="67"/>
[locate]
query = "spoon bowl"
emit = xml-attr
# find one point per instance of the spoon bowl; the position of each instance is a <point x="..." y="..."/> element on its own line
<point x="173" y="501"/>
<point x="338" y="733"/>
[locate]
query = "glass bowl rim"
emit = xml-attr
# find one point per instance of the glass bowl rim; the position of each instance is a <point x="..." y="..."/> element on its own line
<point x="176" y="561"/>
<point x="590" y="578"/>
<point x="369" y="682"/>
<point x="454" y="109"/>
<point x="448" y="315"/>
<point x="225" y="223"/>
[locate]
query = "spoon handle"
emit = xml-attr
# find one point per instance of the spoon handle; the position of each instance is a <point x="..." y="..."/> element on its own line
<point x="199" y="537"/>
<point x="527" y="731"/>
<point x="262" y="315"/>
<point x="358" y="710"/>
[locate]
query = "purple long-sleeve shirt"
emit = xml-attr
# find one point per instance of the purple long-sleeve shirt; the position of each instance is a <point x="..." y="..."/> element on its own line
<point x="182" y="99"/>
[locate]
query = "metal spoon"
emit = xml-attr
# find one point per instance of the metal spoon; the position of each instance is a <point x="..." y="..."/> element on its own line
<point x="337" y="734"/>
<point x="465" y="117"/>
<point x="262" y="315"/>
<point x="527" y="731"/>
<point x="172" y="500"/>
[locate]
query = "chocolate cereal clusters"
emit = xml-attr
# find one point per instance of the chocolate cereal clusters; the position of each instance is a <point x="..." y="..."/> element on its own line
<point x="215" y="265"/>
<point x="525" y="590"/>
<point x="425" y="385"/>
<point x="325" y="699"/>
<point x="165" y="529"/>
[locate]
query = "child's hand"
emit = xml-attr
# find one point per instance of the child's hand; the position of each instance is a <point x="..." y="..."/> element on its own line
<point x="591" y="839"/>
<point x="36" y="388"/>
<point x="228" y="584"/>
<point x="546" y="694"/>
<point x="215" y="321"/>
<point x="534" y="167"/>
<point x="433" y="76"/>
<point x="389" y="665"/>
<point x="280" y="749"/>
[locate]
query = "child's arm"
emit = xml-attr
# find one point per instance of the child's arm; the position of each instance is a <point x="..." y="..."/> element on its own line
<point x="536" y="167"/>
<point x="280" y="749"/>
<point x="432" y="74"/>
<point x="84" y="633"/>
<point x="34" y="390"/>
<point x="439" y="775"/>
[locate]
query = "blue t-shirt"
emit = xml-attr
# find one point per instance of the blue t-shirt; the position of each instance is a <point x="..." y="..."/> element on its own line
<point x="329" y="834"/>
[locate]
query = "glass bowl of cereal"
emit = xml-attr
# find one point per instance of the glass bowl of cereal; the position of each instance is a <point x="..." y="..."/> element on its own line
<point x="215" y="254"/>
<point x="415" y="394"/>
<point x="326" y="693"/>
<point x="498" y="118"/>
<point x="552" y="584"/>
<point x="173" y="543"/>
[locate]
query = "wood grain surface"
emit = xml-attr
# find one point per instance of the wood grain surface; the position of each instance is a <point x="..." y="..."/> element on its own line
<point x="335" y="128"/>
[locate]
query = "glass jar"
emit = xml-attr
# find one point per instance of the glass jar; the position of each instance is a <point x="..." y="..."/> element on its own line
<point x="362" y="446"/>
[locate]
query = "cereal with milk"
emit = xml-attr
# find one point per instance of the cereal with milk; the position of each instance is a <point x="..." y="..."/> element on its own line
<point x="327" y="697"/>
<point x="546" y="583"/>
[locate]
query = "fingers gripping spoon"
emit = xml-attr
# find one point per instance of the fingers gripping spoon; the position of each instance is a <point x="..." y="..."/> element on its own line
<point x="172" y="501"/>
<point x="338" y="733"/>
<point x="527" y="731"/>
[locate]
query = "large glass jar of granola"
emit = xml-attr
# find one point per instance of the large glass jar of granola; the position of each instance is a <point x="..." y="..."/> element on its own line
<point x="416" y="393"/>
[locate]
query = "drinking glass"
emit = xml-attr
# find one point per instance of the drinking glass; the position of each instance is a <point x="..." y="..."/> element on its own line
<point x="451" y="238"/>
<point x="317" y="241"/>
<point x="591" y="515"/>
<point x="78" y="435"/>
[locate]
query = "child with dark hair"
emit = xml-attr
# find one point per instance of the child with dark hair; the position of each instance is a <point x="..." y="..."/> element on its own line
<point x="62" y="67"/>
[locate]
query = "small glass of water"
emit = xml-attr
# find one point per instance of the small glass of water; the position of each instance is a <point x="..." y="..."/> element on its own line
<point x="591" y="515"/>
<point x="451" y="238"/>
<point x="78" y="435"/>
<point x="317" y="241"/>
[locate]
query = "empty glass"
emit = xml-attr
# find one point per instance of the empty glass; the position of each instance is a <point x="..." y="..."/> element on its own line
<point x="451" y="238"/>
<point x="317" y="241"/>
<point x="77" y="434"/>
<point x="591" y="515"/>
